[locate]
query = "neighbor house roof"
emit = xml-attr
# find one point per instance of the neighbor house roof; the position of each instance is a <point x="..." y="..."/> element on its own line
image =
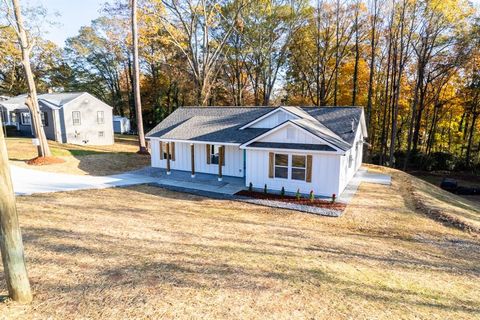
<point x="50" y="100"/>
<point x="336" y="125"/>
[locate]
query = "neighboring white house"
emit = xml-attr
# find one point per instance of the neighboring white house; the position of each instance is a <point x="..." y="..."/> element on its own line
<point x="121" y="124"/>
<point x="306" y="148"/>
<point x="73" y="117"/>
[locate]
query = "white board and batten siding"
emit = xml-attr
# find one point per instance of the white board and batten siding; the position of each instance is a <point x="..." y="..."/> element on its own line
<point x="347" y="171"/>
<point x="278" y="117"/>
<point x="325" y="168"/>
<point x="233" y="159"/>
<point x="325" y="165"/>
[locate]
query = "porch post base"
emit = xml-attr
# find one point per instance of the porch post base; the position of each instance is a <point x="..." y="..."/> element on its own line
<point x="169" y="172"/>
<point x="220" y="178"/>
<point x="193" y="175"/>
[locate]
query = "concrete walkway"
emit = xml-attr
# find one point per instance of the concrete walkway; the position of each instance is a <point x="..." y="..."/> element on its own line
<point x="363" y="175"/>
<point x="28" y="181"/>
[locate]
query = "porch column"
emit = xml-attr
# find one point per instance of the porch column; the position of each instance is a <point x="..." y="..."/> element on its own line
<point x="168" y="157"/>
<point x="221" y="152"/>
<point x="192" y="153"/>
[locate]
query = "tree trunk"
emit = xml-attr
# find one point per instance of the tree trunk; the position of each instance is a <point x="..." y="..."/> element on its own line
<point x="11" y="244"/>
<point x="136" y="82"/>
<point x="32" y="101"/>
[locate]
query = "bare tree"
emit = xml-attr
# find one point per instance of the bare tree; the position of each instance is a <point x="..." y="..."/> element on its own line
<point x="10" y="236"/>
<point x="136" y="82"/>
<point x="192" y="26"/>
<point x="26" y="45"/>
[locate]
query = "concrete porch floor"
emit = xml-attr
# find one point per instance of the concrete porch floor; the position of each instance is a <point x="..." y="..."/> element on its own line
<point x="203" y="181"/>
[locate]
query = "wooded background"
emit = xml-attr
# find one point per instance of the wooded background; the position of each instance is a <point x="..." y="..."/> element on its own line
<point x="413" y="65"/>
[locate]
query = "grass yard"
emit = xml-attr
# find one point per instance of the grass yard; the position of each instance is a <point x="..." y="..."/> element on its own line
<point x="82" y="160"/>
<point x="147" y="253"/>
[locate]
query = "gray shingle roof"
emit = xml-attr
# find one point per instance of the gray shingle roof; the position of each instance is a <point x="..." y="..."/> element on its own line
<point x="221" y="124"/>
<point x="214" y="124"/>
<point x="51" y="100"/>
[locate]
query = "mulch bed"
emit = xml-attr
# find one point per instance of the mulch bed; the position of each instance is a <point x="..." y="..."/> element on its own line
<point x="43" y="161"/>
<point x="291" y="199"/>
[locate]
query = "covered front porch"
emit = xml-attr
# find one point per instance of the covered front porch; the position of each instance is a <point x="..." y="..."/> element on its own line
<point x="198" y="158"/>
<point x="205" y="182"/>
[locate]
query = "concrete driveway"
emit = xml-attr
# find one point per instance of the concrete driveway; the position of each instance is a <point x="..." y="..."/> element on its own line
<point x="28" y="181"/>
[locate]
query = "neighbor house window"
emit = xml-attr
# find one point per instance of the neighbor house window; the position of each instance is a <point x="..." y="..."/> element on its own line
<point x="214" y="154"/>
<point x="101" y="134"/>
<point x="299" y="167"/>
<point x="25" y="118"/>
<point x="281" y="166"/>
<point x="100" y="117"/>
<point x="44" y="116"/>
<point x="76" y="118"/>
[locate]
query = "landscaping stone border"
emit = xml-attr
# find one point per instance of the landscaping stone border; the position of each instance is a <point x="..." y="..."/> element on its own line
<point x="261" y="202"/>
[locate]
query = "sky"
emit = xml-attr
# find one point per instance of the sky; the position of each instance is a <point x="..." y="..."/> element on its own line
<point x="74" y="14"/>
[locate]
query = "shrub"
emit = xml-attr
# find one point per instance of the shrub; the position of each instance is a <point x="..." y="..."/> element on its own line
<point x="282" y="192"/>
<point x="250" y="187"/>
<point x="265" y="190"/>
<point x="312" y="196"/>
<point x="297" y="195"/>
<point x="334" y="198"/>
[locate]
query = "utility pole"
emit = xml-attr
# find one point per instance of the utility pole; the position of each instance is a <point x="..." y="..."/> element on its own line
<point x="11" y="243"/>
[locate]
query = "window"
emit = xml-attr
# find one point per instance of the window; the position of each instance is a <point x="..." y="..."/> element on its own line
<point x="350" y="161"/>
<point x="76" y="118"/>
<point x="13" y="117"/>
<point x="100" y="117"/>
<point x="214" y="154"/>
<point x="163" y="149"/>
<point x="44" y="116"/>
<point x="281" y="166"/>
<point x="25" y="118"/>
<point x="101" y="134"/>
<point x="299" y="167"/>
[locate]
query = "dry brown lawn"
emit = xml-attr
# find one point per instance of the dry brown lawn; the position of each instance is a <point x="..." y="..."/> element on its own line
<point x="82" y="160"/>
<point x="147" y="253"/>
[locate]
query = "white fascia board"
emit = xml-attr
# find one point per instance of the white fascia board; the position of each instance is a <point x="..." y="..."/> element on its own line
<point x="243" y="146"/>
<point x="194" y="141"/>
<point x="363" y="123"/>
<point x="267" y="115"/>
<point x="339" y="153"/>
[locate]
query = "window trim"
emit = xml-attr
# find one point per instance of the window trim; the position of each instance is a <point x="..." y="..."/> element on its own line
<point x="163" y="147"/>
<point x="214" y="155"/>
<point x="79" y="118"/>
<point x="44" y="118"/>
<point x="281" y="166"/>
<point x="102" y="117"/>
<point x="302" y="168"/>
<point x="290" y="167"/>
<point x="101" y="134"/>
<point x="22" y="119"/>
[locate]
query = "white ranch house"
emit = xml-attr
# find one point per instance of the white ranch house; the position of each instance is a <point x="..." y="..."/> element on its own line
<point x="306" y="148"/>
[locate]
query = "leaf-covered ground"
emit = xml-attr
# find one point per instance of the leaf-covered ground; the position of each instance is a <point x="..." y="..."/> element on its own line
<point x="148" y="253"/>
